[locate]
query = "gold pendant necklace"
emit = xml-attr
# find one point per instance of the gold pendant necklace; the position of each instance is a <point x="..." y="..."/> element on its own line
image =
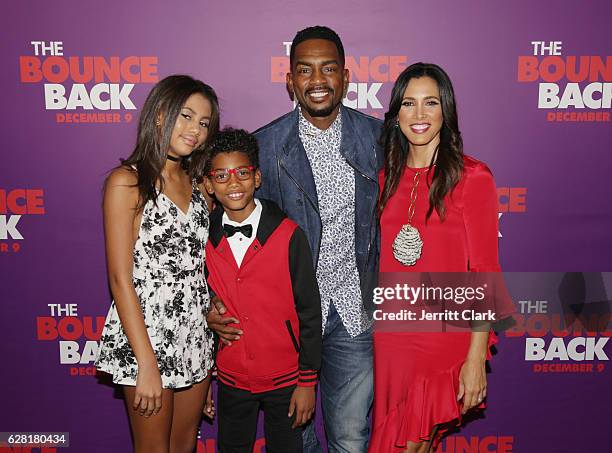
<point x="408" y="244"/>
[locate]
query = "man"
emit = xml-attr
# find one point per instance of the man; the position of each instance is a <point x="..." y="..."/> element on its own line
<point x="319" y="164"/>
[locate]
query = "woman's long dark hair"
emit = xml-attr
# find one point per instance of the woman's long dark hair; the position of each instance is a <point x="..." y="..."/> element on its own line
<point x="448" y="155"/>
<point x="165" y="102"/>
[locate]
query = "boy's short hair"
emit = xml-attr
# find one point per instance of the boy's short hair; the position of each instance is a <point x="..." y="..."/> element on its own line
<point x="228" y="140"/>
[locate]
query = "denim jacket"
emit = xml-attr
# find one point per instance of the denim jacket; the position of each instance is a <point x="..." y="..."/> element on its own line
<point x="287" y="180"/>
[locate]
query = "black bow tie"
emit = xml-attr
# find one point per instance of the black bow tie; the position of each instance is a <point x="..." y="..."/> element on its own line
<point x="230" y="230"/>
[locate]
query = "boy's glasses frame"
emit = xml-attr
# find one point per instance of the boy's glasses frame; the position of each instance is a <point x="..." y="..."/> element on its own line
<point x="222" y="175"/>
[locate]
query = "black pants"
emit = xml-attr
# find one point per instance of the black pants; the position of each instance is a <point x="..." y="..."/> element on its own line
<point x="238" y="411"/>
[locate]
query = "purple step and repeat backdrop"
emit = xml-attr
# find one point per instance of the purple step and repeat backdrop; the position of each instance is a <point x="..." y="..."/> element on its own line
<point x="534" y="88"/>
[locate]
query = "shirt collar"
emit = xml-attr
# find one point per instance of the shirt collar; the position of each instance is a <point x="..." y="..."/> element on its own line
<point x="309" y="129"/>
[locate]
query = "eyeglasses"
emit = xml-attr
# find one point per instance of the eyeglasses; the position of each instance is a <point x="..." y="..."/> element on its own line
<point x="222" y="175"/>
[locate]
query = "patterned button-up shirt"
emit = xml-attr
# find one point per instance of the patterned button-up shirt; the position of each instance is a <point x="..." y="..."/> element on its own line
<point x="334" y="178"/>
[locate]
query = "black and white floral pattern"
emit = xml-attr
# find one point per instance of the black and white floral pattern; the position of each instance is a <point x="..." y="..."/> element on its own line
<point x="337" y="273"/>
<point x="169" y="280"/>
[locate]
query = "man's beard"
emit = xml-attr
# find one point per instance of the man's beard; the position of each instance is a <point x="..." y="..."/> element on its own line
<point x="326" y="111"/>
<point x="321" y="112"/>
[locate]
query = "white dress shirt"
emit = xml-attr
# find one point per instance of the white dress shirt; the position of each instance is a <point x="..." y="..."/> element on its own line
<point x="239" y="243"/>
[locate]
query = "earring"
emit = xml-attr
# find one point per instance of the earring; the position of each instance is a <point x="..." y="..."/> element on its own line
<point x="397" y="123"/>
<point x="158" y="123"/>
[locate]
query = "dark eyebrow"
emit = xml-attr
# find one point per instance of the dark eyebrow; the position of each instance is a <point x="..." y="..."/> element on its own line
<point x="193" y="111"/>
<point x="324" y="63"/>
<point x="426" y="98"/>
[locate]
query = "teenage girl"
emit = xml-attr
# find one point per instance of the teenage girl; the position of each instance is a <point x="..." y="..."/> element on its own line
<point x="155" y="342"/>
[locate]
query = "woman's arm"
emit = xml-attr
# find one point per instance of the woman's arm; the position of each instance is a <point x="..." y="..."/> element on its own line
<point x="481" y="225"/>
<point x="473" y="377"/>
<point x="120" y="213"/>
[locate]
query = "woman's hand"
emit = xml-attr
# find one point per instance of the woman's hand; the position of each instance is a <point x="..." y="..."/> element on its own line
<point x="209" y="407"/>
<point x="472" y="383"/>
<point x="148" y="399"/>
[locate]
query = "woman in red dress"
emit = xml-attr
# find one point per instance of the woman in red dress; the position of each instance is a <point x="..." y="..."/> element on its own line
<point x="445" y="205"/>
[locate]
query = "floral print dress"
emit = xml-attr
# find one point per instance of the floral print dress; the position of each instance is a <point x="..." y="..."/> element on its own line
<point x="169" y="279"/>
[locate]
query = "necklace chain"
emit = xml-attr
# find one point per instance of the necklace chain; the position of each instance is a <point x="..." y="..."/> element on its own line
<point x="413" y="195"/>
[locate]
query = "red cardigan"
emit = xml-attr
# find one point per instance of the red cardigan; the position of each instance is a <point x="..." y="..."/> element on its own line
<point x="275" y="296"/>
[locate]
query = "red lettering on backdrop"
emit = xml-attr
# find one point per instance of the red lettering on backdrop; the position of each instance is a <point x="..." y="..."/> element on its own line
<point x="52" y="75"/>
<point x="512" y="199"/>
<point x="577" y="73"/>
<point x="45" y="328"/>
<point x="462" y="445"/>
<point x="563" y="368"/>
<point x="382" y="68"/>
<point x="148" y="69"/>
<point x="91" y="118"/>
<point x="488" y="444"/>
<point x="69" y="328"/>
<point x="527" y="69"/>
<point x="397" y="64"/>
<point x="599" y="69"/>
<point x="379" y="69"/>
<point x="208" y="446"/>
<point x="126" y="73"/>
<point x="106" y="70"/>
<point x="89" y="330"/>
<point x="56" y="69"/>
<point x="539" y="325"/>
<point x="22" y="201"/>
<point x="279" y="67"/>
<point x="29" y="69"/>
<point x="78" y="75"/>
<point x="358" y="71"/>
<point x="578" y="116"/>
<point x="83" y="371"/>
<point x="553" y="68"/>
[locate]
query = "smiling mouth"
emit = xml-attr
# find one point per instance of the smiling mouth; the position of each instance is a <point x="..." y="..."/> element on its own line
<point x="420" y="128"/>
<point x="235" y="196"/>
<point x="318" y="94"/>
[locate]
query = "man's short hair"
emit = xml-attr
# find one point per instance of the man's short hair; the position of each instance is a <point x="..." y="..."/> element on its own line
<point x="317" y="32"/>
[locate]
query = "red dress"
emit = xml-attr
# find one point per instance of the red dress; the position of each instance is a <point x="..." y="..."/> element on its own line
<point x="417" y="373"/>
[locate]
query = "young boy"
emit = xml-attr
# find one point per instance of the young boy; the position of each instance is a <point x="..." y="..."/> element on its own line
<point x="259" y="263"/>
